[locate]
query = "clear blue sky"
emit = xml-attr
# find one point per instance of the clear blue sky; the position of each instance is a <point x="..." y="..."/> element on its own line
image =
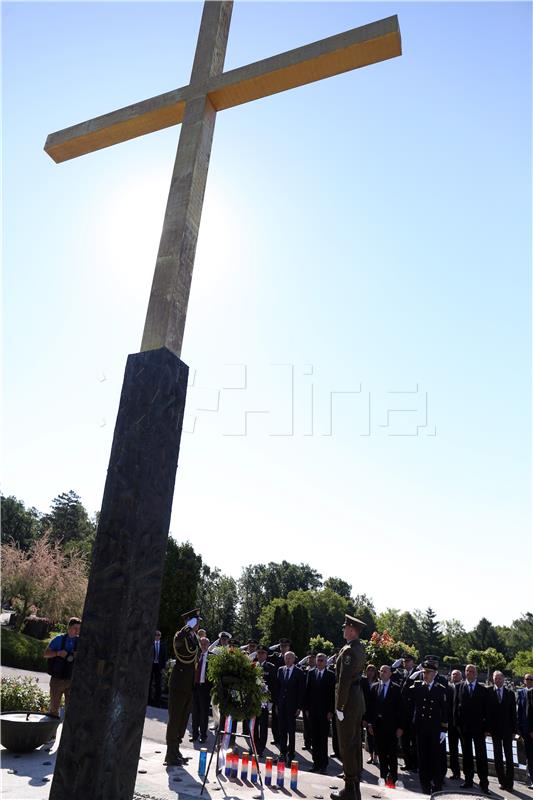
<point x="371" y="232"/>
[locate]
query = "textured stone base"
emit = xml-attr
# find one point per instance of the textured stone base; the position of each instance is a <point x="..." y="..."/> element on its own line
<point x="100" y="744"/>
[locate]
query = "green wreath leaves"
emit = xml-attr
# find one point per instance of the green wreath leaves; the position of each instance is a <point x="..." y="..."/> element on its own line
<point x="238" y="685"/>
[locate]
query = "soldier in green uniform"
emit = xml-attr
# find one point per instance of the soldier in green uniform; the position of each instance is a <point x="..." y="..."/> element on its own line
<point x="350" y="707"/>
<point x="181" y="685"/>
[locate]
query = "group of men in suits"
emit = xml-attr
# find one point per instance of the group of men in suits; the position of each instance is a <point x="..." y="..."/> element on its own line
<point x="414" y="705"/>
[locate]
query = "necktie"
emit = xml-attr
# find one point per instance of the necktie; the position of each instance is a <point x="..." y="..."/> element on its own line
<point x="198" y="672"/>
<point x="499" y="695"/>
<point x="319" y="674"/>
<point x="470" y="688"/>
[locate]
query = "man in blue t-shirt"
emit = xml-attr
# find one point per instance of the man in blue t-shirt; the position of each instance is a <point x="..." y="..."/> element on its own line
<point x="62" y="649"/>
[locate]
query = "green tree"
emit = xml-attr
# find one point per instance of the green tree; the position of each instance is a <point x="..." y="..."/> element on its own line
<point x="317" y="644"/>
<point x="522" y="662"/>
<point x="520" y="634"/>
<point x="363" y="608"/>
<point x="217" y="598"/>
<point x="327" y="610"/>
<point x="68" y="522"/>
<point x="179" y="590"/>
<point x="430" y="636"/>
<point x="456" y="641"/>
<point x="300" y="628"/>
<point x="260" y="584"/>
<point x="486" y="660"/>
<point x="20" y="525"/>
<point x="402" y="626"/>
<point x="485" y="635"/>
<point x="339" y="586"/>
<point x="275" y="621"/>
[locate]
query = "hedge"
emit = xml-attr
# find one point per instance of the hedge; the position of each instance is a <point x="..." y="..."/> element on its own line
<point x="22" y="651"/>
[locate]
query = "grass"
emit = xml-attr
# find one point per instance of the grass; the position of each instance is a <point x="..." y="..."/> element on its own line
<point x="22" y="651"/>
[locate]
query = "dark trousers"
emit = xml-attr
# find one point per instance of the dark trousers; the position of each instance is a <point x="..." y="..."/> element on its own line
<point x="154" y="695"/>
<point x="308" y="736"/>
<point x="471" y="741"/>
<point x="287" y="733"/>
<point x="200" y="710"/>
<point x="429" y="759"/>
<point x="387" y="749"/>
<point x="335" y="740"/>
<point x="319" y="731"/>
<point x="503" y="747"/>
<point x="370" y="744"/>
<point x="409" y="748"/>
<point x="275" y="724"/>
<point x="261" y="731"/>
<point x="453" y="746"/>
<point x="528" y="745"/>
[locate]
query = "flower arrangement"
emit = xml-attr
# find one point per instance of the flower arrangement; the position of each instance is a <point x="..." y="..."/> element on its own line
<point x="238" y="686"/>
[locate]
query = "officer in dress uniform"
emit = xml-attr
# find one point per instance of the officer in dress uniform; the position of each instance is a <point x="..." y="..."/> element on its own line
<point x="350" y="707"/>
<point x="181" y="685"/>
<point x="428" y="707"/>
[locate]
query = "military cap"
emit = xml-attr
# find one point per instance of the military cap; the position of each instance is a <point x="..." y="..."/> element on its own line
<point x="234" y="643"/>
<point x="261" y="648"/>
<point x="353" y="622"/>
<point x="408" y="657"/>
<point x="224" y="633"/>
<point x="284" y="640"/>
<point x="430" y="665"/>
<point x="195" y="612"/>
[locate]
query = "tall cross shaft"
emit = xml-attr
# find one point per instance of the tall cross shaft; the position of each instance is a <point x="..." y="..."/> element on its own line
<point x="195" y="106"/>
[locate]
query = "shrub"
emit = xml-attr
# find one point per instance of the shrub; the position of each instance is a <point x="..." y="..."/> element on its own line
<point x="23" y="694"/>
<point x="37" y="627"/>
<point x="22" y="651"/>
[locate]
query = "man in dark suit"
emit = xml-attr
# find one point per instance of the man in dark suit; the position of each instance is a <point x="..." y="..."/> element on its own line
<point x="470" y="717"/>
<point x="428" y="707"/>
<point x="408" y="739"/>
<point x="291" y="690"/>
<point x="502" y="726"/>
<point x="319" y="707"/>
<point x="270" y="676"/>
<point x="277" y="657"/>
<point x="159" y="659"/>
<point x="201" y="694"/>
<point x="385" y="722"/>
<point x="453" y="733"/>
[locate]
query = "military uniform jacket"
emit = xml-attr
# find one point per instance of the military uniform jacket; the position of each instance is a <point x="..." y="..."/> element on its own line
<point x="428" y="708"/>
<point x="187" y="649"/>
<point x="348" y="671"/>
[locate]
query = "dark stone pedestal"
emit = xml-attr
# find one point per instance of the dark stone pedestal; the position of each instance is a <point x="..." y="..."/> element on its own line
<point x="101" y="739"/>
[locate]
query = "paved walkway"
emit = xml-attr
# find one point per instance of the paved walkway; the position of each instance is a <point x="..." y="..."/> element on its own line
<point x="28" y="777"/>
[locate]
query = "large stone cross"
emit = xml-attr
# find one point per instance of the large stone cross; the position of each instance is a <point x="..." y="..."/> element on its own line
<point x="98" y="754"/>
<point x="195" y="106"/>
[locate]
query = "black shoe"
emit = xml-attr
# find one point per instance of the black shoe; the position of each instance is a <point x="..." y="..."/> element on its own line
<point x="456" y="777"/>
<point x="193" y="738"/>
<point x="426" y="789"/>
<point x="529" y="785"/>
<point x="466" y="785"/>
<point x="202" y="739"/>
<point x="485" y="789"/>
<point x="501" y="786"/>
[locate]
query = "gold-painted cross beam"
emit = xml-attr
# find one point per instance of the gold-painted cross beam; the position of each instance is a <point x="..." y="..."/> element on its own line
<point x="195" y="106"/>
